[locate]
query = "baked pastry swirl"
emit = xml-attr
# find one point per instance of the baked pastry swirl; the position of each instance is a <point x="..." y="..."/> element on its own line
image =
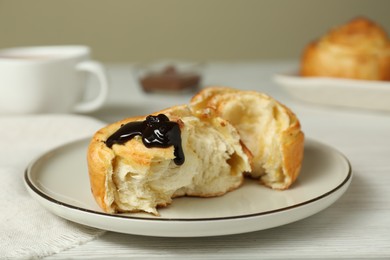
<point x="138" y="164"/>
<point x="270" y="131"/>
<point x="359" y="49"/>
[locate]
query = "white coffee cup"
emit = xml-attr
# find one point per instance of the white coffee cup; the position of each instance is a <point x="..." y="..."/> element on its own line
<point x="49" y="79"/>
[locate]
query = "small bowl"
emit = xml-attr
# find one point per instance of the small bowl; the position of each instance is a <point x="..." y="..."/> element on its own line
<point x="169" y="76"/>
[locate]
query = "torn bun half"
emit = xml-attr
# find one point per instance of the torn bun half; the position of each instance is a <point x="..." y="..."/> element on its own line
<point x="270" y="131"/>
<point x="131" y="177"/>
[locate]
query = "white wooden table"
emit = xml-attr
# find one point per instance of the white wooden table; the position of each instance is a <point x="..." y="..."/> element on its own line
<point x="356" y="226"/>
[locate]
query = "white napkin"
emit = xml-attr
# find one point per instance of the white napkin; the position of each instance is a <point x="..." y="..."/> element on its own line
<point x="27" y="230"/>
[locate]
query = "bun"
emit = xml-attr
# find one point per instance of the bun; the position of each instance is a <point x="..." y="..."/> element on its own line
<point x="267" y="128"/>
<point x="225" y="135"/>
<point x="132" y="177"/>
<point x="359" y="49"/>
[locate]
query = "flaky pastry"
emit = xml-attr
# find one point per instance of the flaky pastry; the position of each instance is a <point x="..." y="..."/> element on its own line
<point x="359" y="49"/>
<point x="270" y="131"/>
<point x="201" y="149"/>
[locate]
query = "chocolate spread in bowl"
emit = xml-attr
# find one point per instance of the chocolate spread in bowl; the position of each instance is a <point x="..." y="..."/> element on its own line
<point x="170" y="79"/>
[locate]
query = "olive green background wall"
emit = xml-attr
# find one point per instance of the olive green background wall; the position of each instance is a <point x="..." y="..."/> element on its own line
<point x="202" y="30"/>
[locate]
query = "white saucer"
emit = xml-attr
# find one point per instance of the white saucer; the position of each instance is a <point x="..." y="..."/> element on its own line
<point x="59" y="181"/>
<point x="364" y="94"/>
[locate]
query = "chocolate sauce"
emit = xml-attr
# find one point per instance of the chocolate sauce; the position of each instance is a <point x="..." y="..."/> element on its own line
<point x="156" y="131"/>
<point x="170" y="79"/>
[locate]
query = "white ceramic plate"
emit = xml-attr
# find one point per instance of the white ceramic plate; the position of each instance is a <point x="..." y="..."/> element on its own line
<point x="337" y="92"/>
<point x="59" y="181"/>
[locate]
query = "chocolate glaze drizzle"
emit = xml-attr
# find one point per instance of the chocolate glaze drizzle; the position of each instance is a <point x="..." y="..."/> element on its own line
<point x="156" y="131"/>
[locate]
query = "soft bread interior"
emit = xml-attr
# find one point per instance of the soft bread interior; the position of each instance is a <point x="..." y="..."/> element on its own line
<point x="267" y="128"/>
<point x="142" y="179"/>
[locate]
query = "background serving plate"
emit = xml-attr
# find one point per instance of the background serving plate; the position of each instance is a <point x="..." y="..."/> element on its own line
<point x="59" y="181"/>
<point x="364" y="94"/>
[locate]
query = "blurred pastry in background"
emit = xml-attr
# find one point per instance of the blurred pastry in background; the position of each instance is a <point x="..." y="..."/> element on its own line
<point x="359" y="49"/>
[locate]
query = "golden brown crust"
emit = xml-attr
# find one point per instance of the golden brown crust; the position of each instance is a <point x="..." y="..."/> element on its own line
<point x="292" y="149"/>
<point x="359" y="49"/>
<point x="99" y="158"/>
<point x="97" y="172"/>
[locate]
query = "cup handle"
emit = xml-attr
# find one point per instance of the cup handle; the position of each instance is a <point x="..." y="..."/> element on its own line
<point x="98" y="70"/>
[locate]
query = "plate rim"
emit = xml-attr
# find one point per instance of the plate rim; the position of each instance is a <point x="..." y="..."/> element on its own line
<point x="32" y="187"/>
<point x="368" y="95"/>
